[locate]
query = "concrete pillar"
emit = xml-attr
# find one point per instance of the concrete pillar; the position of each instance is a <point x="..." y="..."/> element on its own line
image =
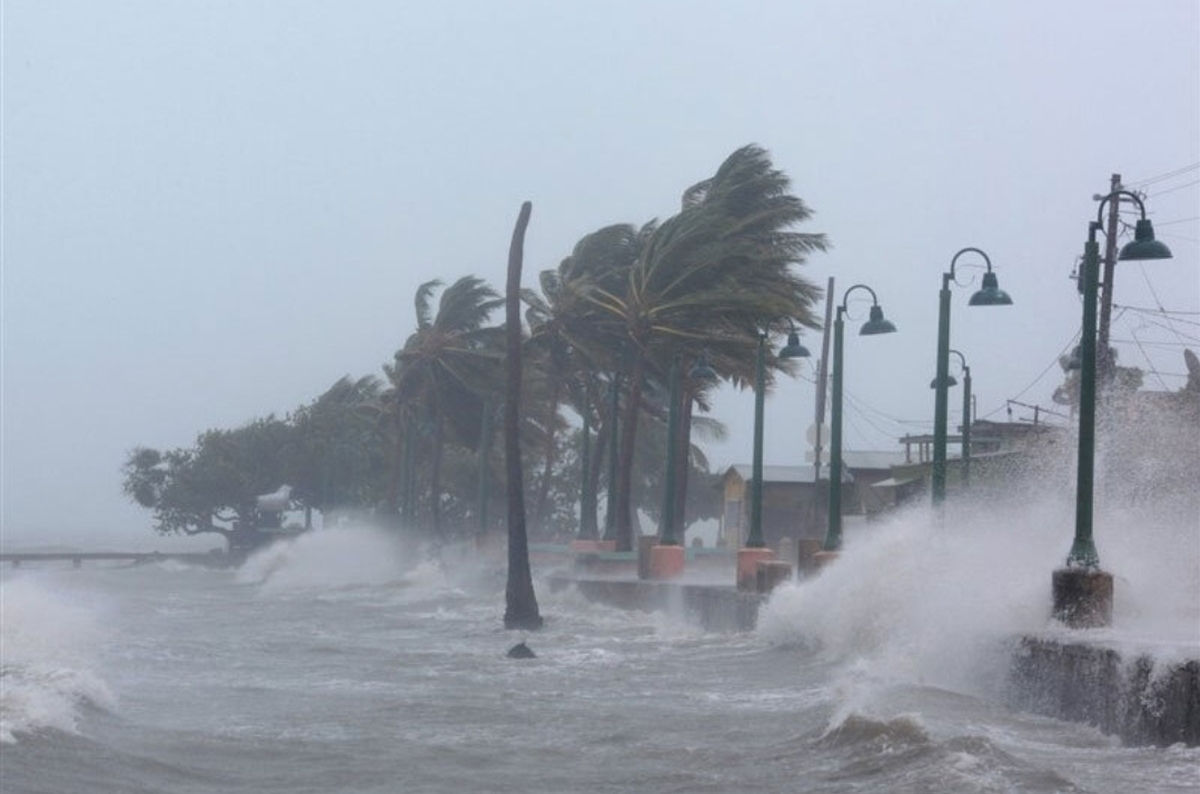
<point x="806" y="550"/>
<point x="770" y="573"/>
<point x="1083" y="597"/>
<point x="823" y="558"/>
<point x="747" y="566"/>
<point x="666" y="562"/>
<point x="645" y="543"/>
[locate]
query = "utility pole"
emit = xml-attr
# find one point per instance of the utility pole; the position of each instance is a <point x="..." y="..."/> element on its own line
<point x="1105" y="366"/>
<point x="822" y="377"/>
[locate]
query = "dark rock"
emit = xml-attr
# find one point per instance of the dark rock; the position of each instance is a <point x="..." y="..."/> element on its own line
<point x="521" y="651"/>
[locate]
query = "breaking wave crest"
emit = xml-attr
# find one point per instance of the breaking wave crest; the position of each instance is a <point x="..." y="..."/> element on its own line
<point x="46" y="652"/>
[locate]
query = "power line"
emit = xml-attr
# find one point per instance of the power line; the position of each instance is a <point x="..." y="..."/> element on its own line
<point x="1164" y="345"/>
<point x="1177" y="220"/>
<point x="1159" y="310"/>
<point x="1042" y="374"/>
<point x="1167" y="175"/>
<point x="1173" y="189"/>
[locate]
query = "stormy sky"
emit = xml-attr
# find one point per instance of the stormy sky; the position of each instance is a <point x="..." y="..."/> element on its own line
<point x="213" y="210"/>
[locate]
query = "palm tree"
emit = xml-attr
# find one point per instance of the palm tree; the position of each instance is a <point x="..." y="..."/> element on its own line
<point x="711" y="278"/>
<point x="571" y="350"/>
<point x="444" y="368"/>
<point x="521" y="609"/>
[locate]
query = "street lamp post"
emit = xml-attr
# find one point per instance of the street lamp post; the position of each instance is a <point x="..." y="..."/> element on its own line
<point x="966" y="412"/>
<point x="1082" y="592"/>
<point x="989" y="295"/>
<point x="875" y="325"/>
<point x="755" y="549"/>
<point x="966" y="427"/>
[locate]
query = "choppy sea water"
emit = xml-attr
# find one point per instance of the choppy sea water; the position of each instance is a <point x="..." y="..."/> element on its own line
<point x="335" y="664"/>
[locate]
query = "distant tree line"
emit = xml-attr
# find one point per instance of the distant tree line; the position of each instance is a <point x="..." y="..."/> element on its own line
<point x="420" y="447"/>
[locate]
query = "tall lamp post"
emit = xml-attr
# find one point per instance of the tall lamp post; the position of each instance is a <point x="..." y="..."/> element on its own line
<point x="989" y="295"/>
<point x="1082" y="592"/>
<point x="875" y="325"/>
<point x="966" y="412"/>
<point x="755" y="549"/>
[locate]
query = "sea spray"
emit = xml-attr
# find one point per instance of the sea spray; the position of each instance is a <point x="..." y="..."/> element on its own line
<point x="329" y="558"/>
<point x="47" y="646"/>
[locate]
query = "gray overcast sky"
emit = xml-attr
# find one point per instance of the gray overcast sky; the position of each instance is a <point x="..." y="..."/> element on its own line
<point x="213" y="210"/>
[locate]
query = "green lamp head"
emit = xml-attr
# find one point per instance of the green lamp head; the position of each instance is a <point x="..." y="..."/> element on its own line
<point x="1144" y="246"/>
<point x="950" y="381"/>
<point x="794" y="349"/>
<point x="990" y="294"/>
<point x="877" y="324"/>
<point x="702" y="370"/>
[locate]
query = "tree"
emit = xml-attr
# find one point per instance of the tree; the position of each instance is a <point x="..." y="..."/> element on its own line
<point x="213" y="486"/>
<point x="443" y="370"/>
<point x="336" y="456"/>
<point x="521" y="608"/>
<point x="709" y="279"/>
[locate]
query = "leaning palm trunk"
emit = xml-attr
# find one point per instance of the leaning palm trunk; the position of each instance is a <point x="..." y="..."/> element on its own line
<point x="683" y="450"/>
<point x="521" y="608"/>
<point x="435" y="477"/>
<point x="624" y="507"/>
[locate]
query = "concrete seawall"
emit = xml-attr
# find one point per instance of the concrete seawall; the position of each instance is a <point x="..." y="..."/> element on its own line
<point x="712" y="607"/>
<point x="1131" y="696"/>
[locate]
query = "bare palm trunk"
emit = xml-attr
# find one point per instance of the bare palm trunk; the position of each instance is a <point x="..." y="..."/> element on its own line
<point x="589" y="526"/>
<point x="683" y="451"/>
<point x="521" y="608"/>
<point x="540" y="510"/>
<point x="396" y="469"/>
<point x="624" y="506"/>
<point x="435" y="478"/>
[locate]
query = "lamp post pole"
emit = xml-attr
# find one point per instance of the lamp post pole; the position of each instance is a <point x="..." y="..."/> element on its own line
<point x="833" y="530"/>
<point x="941" y="397"/>
<point x="966" y="428"/>
<point x="875" y="325"/>
<point x="755" y="539"/>
<point x="1083" y="549"/>
<point x="756" y="550"/>
<point x="1082" y="592"/>
<point x="989" y="295"/>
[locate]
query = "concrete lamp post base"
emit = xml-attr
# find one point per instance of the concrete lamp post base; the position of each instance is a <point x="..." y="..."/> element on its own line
<point x="1083" y="597"/>
<point x="666" y="562"/>
<point x="772" y="573"/>
<point x="824" y="558"/>
<point x="747" y="566"/>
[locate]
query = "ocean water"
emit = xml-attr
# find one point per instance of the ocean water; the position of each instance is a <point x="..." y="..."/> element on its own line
<point x="345" y="662"/>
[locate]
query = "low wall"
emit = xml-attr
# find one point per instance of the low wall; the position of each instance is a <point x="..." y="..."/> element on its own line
<point x="1135" y="698"/>
<point x="711" y="607"/>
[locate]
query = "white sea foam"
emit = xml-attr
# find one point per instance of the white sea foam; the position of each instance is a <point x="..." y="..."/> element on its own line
<point x="47" y="642"/>
<point x="326" y="559"/>
<point x="932" y="601"/>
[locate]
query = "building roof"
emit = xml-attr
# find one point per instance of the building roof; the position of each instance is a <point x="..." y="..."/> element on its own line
<point x="854" y="461"/>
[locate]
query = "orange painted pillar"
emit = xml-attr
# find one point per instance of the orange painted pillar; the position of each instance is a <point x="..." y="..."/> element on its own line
<point x="666" y="562"/>
<point x="747" y="566"/>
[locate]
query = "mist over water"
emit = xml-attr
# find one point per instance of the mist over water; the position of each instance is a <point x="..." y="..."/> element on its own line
<point x="358" y="659"/>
